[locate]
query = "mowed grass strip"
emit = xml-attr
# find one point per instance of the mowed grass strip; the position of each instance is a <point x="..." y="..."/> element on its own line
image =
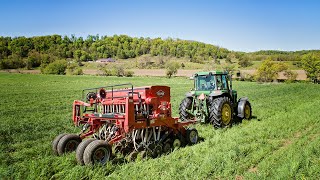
<point x="282" y="141"/>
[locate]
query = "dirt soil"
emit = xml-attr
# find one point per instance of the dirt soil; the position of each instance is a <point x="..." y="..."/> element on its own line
<point x="158" y="72"/>
<point x="301" y="74"/>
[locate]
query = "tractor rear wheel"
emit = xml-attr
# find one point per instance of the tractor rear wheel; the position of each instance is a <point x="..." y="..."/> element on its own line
<point x="55" y="143"/>
<point x="221" y="112"/>
<point x="68" y="143"/>
<point x="80" y="150"/>
<point x="97" y="152"/>
<point x="185" y="105"/>
<point x="247" y="111"/>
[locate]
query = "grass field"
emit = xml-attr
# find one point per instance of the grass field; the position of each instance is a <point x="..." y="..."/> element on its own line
<point x="282" y="142"/>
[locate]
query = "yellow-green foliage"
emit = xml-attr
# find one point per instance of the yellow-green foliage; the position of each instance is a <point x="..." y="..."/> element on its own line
<point x="268" y="71"/>
<point x="290" y="75"/>
<point x="115" y="70"/>
<point x="244" y="61"/>
<point x="311" y="64"/>
<point x="74" y="69"/>
<point x="172" y="68"/>
<point x="56" y="67"/>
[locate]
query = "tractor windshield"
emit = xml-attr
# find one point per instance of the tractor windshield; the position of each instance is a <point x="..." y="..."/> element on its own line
<point x="205" y="82"/>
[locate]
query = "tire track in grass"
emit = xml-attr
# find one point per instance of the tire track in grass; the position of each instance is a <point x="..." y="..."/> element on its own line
<point x="293" y="158"/>
<point x="287" y="141"/>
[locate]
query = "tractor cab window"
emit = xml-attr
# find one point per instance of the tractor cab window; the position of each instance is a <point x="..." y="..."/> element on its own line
<point x="205" y="82"/>
<point x="222" y="83"/>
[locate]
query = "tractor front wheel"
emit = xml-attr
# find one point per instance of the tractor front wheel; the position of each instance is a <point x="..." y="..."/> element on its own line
<point x="185" y="105"/>
<point x="97" y="152"/>
<point x="221" y="112"/>
<point x="68" y="143"/>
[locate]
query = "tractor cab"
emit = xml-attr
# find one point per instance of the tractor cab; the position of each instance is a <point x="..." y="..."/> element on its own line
<point x="211" y="81"/>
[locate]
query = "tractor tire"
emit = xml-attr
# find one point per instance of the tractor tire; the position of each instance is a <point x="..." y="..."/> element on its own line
<point x="192" y="136"/>
<point x="185" y="105"/>
<point x="221" y="112"/>
<point x="97" y="152"/>
<point x="80" y="150"/>
<point x="247" y="111"/>
<point x="55" y="143"/>
<point x="68" y="143"/>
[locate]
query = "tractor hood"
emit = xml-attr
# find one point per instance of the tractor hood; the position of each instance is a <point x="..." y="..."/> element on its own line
<point x="208" y="93"/>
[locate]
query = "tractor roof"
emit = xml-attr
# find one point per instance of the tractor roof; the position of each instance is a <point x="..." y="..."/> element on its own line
<point x="213" y="72"/>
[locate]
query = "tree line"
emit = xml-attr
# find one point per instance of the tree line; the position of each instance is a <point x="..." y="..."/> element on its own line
<point x="276" y="55"/>
<point x="30" y="52"/>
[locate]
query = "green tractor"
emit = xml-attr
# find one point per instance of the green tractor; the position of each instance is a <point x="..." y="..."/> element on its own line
<point x="212" y="100"/>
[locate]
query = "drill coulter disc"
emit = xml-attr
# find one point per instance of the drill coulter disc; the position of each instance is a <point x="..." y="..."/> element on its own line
<point x="132" y="156"/>
<point x="157" y="151"/>
<point x="143" y="154"/>
<point x="167" y="147"/>
<point x="118" y="147"/>
<point x="123" y="147"/>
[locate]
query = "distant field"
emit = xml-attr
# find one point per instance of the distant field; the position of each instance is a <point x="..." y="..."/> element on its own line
<point x="282" y="142"/>
<point x="208" y="64"/>
<point x="162" y="72"/>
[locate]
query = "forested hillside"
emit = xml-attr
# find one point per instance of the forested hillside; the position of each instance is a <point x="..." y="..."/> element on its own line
<point x="279" y="55"/>
<point x="40" y="51"/>
<point x="31" y="52"/>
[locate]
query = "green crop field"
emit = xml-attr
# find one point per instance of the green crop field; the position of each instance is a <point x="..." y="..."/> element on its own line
<point x="281" y="142"/>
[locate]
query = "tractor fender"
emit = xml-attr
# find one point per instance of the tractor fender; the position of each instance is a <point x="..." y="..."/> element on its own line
<point x="219" y="94"/>
<point x="189" y="94"/>
<point x="216" y="93"/>
<point x="241" y="103"/>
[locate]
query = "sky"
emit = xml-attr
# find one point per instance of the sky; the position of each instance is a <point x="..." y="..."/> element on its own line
<point x="239" y="25"/>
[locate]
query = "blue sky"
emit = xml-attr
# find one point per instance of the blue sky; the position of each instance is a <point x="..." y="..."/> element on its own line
<point x="241" y="25"/>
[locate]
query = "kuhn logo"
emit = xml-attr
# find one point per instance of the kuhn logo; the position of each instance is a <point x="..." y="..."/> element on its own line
<point x="160" y="93"/>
